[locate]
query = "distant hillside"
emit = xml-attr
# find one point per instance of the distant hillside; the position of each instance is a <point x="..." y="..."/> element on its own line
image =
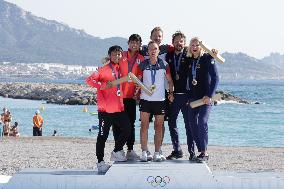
<point x="242" y="66"/>
<point x="28" y="38"/>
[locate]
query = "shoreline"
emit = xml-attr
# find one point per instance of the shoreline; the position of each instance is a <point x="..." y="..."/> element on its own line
<point x="79" y="153"/>
<point x="70" y="94"/>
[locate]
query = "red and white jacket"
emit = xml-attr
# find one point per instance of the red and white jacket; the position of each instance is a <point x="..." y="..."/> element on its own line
<point x="107" y="100"/>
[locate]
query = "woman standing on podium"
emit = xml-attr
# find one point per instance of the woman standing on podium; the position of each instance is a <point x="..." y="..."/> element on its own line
<point x="202" y="82"/>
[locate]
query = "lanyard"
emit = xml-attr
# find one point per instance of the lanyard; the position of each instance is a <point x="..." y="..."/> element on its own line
<point x="177" y="63"/>
<point x="131" y="63"/>
<point x="115" y="76"/>
<point x="153" y="72"/>
<point x="195" y="65"/>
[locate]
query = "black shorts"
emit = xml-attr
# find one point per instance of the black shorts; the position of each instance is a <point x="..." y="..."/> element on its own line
<point x="152" y="107"/>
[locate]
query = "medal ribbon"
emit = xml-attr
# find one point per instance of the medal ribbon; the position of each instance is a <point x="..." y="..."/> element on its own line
<point x="115" y="76"/>
<point x="131" y="63"/>
<point x="194" y="67"/>
<point x="153" y="72"/>
<point x="177" y="63"/>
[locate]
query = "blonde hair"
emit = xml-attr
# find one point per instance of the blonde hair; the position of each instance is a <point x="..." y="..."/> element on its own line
<point x="152" y="42"/>
<point x="194" y="39"/>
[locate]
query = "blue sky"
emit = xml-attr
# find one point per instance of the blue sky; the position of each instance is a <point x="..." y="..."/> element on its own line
<point x="249" y="26"/>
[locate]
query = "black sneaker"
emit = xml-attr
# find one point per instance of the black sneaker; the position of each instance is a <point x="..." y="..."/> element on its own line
<point x="192" y="157"/>
<point x="175" y="155"/>
<point x="202" y="158"/>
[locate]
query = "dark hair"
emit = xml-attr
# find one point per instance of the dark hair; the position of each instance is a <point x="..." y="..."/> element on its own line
<point x="114" y="48"/>
<point x="178" y="33"/>
<point x="135" y="37"/>
<point x="16" y="123"/>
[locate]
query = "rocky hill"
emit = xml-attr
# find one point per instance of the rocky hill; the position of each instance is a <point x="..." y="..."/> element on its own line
<point x="25" y="38"/>
<point x="28" y="38"/>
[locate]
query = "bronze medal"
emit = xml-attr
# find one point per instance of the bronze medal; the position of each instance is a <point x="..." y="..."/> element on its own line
<point x="194" y="82"/>
<point x="177" y="76"/>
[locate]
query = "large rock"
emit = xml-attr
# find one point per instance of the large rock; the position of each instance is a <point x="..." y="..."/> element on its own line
<point x="72" y="94"/>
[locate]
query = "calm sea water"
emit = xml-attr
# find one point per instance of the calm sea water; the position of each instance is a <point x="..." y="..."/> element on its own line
<point x="229" y="124"/>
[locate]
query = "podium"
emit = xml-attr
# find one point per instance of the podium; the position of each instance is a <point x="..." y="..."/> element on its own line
<point x="176" y="174"/>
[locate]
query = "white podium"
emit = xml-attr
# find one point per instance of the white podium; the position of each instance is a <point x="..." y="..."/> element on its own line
<point x="135" y="175"/>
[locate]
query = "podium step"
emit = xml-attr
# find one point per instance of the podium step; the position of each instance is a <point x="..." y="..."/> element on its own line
<point x="138" y="175"/>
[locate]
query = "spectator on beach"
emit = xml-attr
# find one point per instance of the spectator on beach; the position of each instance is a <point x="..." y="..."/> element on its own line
<point x="154" y="72"/>
<point x="37" y="124"/>
<point x="202" y="83"/>
<point x="14" y="131"/>
<point x="6" y="118"/>
<point x="110" y="107"/>
<point x="179" y="68"/>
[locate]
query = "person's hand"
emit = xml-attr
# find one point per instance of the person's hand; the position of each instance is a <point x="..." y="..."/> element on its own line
<point x="137" y="93"/>
<point x="206" y="100"/>
<point x="215" y="51"/>
<point x="108" y="85"/>
<point x="171" y="97"/>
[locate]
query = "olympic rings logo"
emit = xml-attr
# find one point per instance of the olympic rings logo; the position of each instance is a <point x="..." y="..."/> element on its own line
<point x="158" y="181"/>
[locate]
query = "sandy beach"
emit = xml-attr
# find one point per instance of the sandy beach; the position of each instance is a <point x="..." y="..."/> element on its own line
<point x="69" y="152"/>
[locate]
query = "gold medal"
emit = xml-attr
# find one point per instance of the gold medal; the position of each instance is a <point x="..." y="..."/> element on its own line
<point x="194" y="82"/>
<point x="118" y="92"/>
<point x="177" y="77"/>
<point x="153" y="88"/>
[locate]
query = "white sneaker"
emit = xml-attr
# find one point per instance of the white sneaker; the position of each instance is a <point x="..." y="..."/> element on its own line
<point x="144" y="156"/>
<point x="157" y="157"/>
<point x="149" y="156"/>
<point x="118" y="156"/>
<point x="103" y="167"/>
<point x="162" y="156"/>
<point x="131" y="155"/>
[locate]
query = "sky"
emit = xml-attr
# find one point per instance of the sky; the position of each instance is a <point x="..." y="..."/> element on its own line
<point x="254" y="27"/>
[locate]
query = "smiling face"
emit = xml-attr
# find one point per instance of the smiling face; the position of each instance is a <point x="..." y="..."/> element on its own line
<point x="157" y="36"/>
<point x="134" y="46"/>
<point x="195" y="48"/>
<point x="115" y="56"/>
<point x="178" y="43"/>
<point x="153" y="50"/>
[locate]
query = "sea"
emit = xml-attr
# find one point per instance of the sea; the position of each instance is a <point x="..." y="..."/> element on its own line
<point x="258" y="124"/>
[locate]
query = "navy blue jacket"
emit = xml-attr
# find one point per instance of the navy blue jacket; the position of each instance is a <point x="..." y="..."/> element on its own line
<point x="206" y="76"/>
<point x="180" y="84"/>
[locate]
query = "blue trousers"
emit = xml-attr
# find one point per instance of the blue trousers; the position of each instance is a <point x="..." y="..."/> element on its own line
<point x="180" y="104"/>
<point x="198" y="118"/>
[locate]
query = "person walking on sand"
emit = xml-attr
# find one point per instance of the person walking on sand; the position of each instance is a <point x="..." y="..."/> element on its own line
<point x="111" y="108"/>
<point x="38" y="122"/>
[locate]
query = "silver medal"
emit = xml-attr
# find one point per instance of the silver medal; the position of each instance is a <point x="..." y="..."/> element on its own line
<point x="118" y="92"/>
<point x="194" y="82"/>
